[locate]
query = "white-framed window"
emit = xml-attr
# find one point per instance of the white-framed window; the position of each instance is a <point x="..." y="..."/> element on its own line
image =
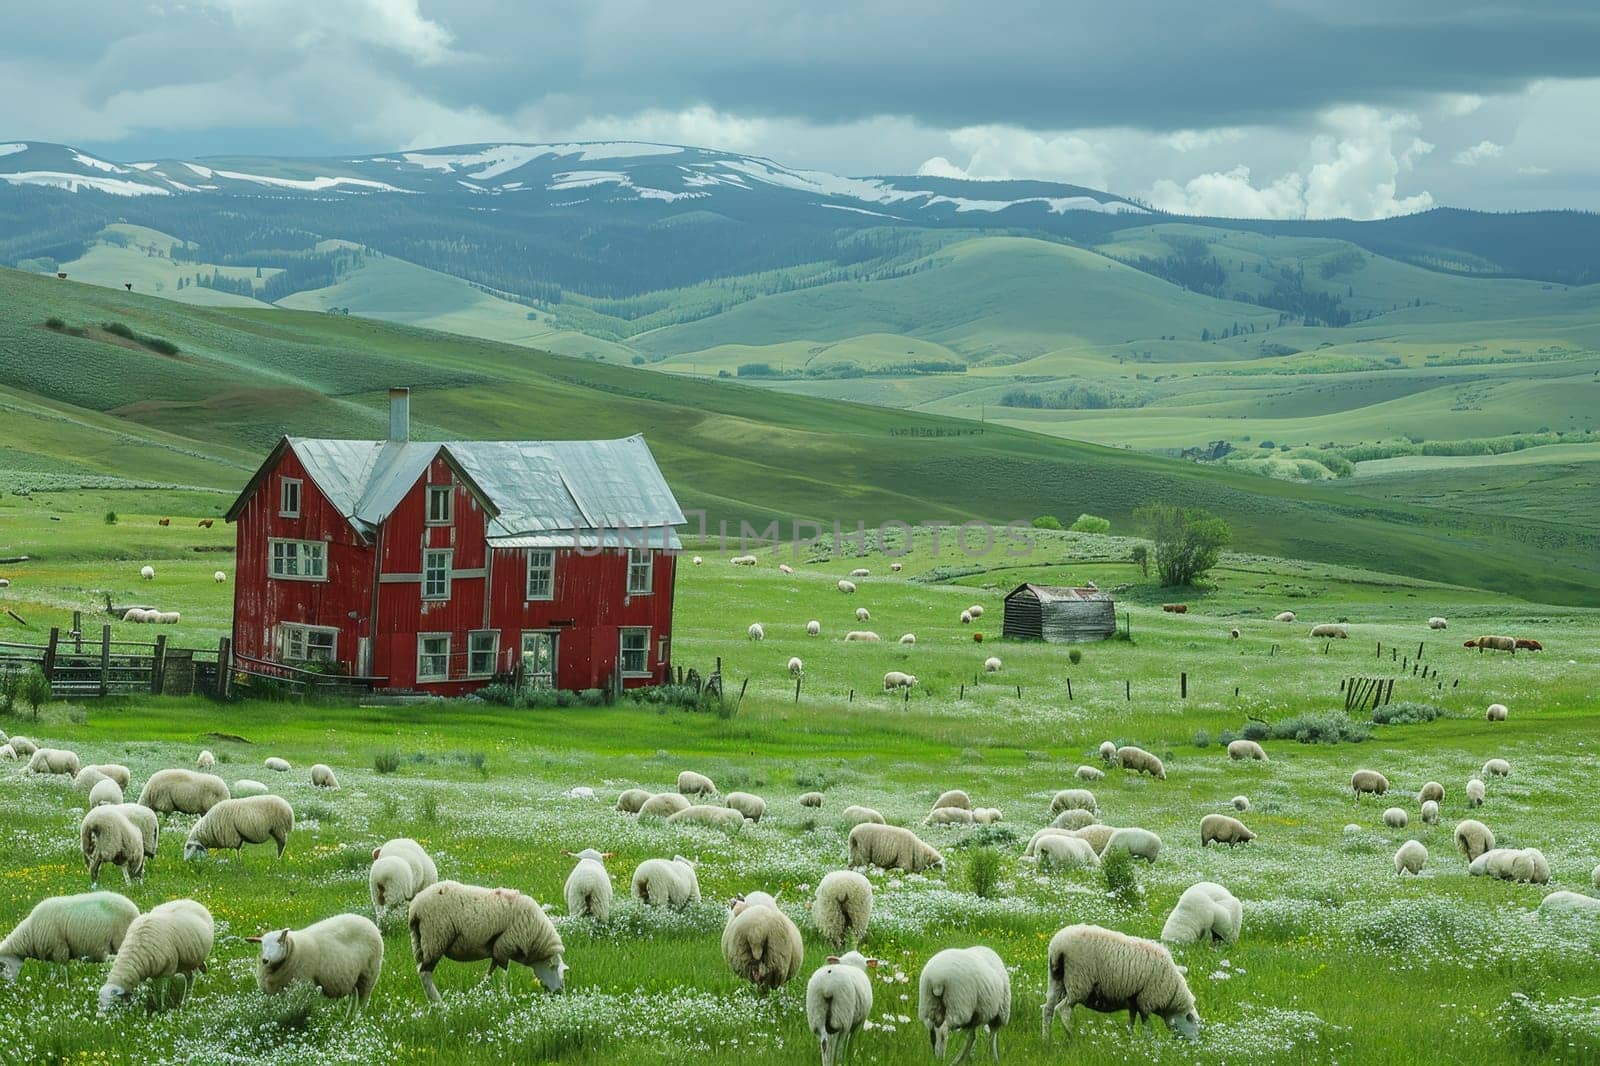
<point x="641" y="572"/>
<point x="541" y="574"/>
<point x="288" y="497"/>
<point x="634" y="656"/>
<point x="303" y="644"/>
<point x="436" y="573"/>
<point x="483" y="649"/>
<point x="433" y="656"/>
<point x="297" y="560"/>
<point x="441" y="505"/>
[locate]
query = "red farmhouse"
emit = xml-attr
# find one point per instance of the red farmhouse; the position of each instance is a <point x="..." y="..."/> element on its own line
<point x="437" y="567"/>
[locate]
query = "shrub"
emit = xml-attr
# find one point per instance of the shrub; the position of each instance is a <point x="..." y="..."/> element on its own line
<point x="386" y="761"/>
<point x="1121" y="876"/>
<point x="428" y="808"/>
<point x="111" y="518"/>
<point x="983" y="872"/>
<point x="1327" y="728"/>
<point x="1202" y="738"/>
<point x="1188" y="540"/>
<point x="119" y="329"/>
<point x="1405" y="713"/>
<point x="159" y="344"/>
<point x="667" y="695"/>
<point x="1075" y="656"/>
<point x="35" y="689"/>
<point x="1091" y="523"/>
<point x="54" y="323"/>
<point x="1140" y="555"/>
<point x="1047" y="521"/>
<point x="10" y="689"/>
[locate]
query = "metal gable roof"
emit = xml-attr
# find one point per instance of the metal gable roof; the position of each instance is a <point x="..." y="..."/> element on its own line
<point x="1059" y="593"/>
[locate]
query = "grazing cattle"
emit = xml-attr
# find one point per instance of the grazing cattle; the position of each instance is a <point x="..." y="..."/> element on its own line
<point x="164" y="522"/>
<point x="1175" y="608"/>
<point x="1529" y="643"/>
<point x="206" y="523"/>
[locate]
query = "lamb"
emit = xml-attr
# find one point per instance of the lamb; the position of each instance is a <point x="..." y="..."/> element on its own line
<point x="1206" y="911"/>
<point x="842" y="908"/>
<point x="693" y="784"/>
<point x="322" y="777"/>
<point x="1496" y="768"/>
<point x="105" y="791"/>
<point x="139" y="616"/>
<point x="588" y="888"/>
<point x="663" y="805"/>
<point x="1074" y="799"/>
<point x="1430" y="812"/>
<point x="743" y="560"/>
<point x="863" y="615"/>
<point x="670" y="883"/>
<point x="698" y="560"/>
<point x="1438" y="623"/>
<point x="964" y="989"/>
<point x="631" y="800"/>
<point x="839" y="1002"/>
<point x="1108" y="751"/>
<point x="219" y="577"/>
<point x="846" y="586"/>
<point x="205" y="760"/>
<point x="986" y="815"/>
<point x="144" y="820"/>
<point x="897" y="567"/>
<point x="23" y="747"/>
<point x="1431" y="791"/>
<point x="1073" y="818"/>
<point x="107" y="836"/>
<point x="861" y="635"/>
<point x="756" y="632"/>
<point x="53" y="761"/>
<point x="1512" y="864"/>
<point x="855" y="815"/>
<point x="276" y="765"/>
<point x="991" y="665"/>
<point x="1220" y="829"/>
<point x="147" y="572"/>
<point x="1283" y="616"/>
<point x="860" y="571"/>
<point x="724" y="818"/>
<point x="1473" y="838"/>
<point x="341" y="955"/>
<point x="948" y="816"/>
<point x="796" y="667"/>
<point x="1059" y="851"/>
<point x="1410" y="857"/>
<point x="92" y="774"/>
<point x="1054" y="831"/>
<point x="892" y="848"/>
<point x="172" y="939"/>
<point x="1240" y="803"/>
<point x="748" y="804"/>
<point x="1108" y="971"/>
<point x="1475" y="793"/>
<point x="1368" y="781"/>
<point x="813" y="628"/>
<point x="762" y="944"/>
<point x="1246" y="749"/>
<point x="233" y="823"/>
<point x="785" y="568"/>
<point x="1131" y="758"/>
<point x="246" y="786"/>
<point x="1140" y="843"/>
<point x="955" y="797"/>
<point x="1395" y="818"/>
<point x="895" y="679"/>
<point x="1554" y="903"/>
<point x="88" y="926"/>
<point x="166" y="618"/>
<point x="966" y="618"/>
<point x="811" y="799"/>
<point x="1233" y="634"/>
<point x="1496" y="712"/>
<point x="400" y="869"/>
<point x="467" y="923"/>
<point x="1089" y="773"/>
<point x="908" y="638"/>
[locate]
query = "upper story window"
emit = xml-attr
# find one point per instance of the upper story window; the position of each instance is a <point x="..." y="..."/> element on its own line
<point x="297" y="560"/>
<point x="542" y="574"/>
<point x="289" y="497"/>
<point x="441" y="505"/>
<point x="641" y="571"/>
<point x="436" y="574"/>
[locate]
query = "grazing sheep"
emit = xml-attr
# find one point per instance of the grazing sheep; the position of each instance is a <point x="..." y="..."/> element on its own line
<point x="693" y="784"/>
<point x="846" y="586"/>
<point x="762" y="944"/>
<point x="1233" y="634"/>
<point x="467" y="923"/>
<point x="747" y="804"/>
<point x="986" y="815"/>
<point x="1220" y="829"/>
<point x="89" y="926"/>
<point x="1368" y="781"/>
<point x="233" y="823"/>
<point x="138" y="615"/>
<point x="105" y="791"/>
<point x="842" y="908"/>
<point x="1283" y="616"/>
<point x="1555" y="903"/>
<point x="1246" y="749"/>
<point x="1475" y="793"/>
<point x="796" y="667"/>
<point x="1073" y="818"/>
<point x="698" y="560"/>
<point x="588" y="888"/>
<point x="400" y="869"/>
<point x="865" y="635"/>
<point x="8" y="753"/>
<point x="172" y="939"/>
<point x="1512" y="864"/>
<point x="908" y="638"/>
<point x="1074" y="798"/>
<point x="1337" y="632"/>
<point x="1431" y="791"/>
<point x="855" y="815"/>
<point x="1396" y="818"/>
<point x="743" y="560"/>
<point x="246" y="786"/>
<point x="1430" y="812"/>
<point x="785" y="568"/>
<point x="1131" y="758"/>
<point x="964" y="989"/>
<point x="276" y="765"/>
<point x="966" y="618"/>
<point x="897" y="567"/>
<point x="948" y="816"/>
<point x="148" y="573"/>
<point x="322" y="777"/>
<point x="1206" y="911"/>
<point x="1089" y="773"/>
<point x="892" y="848"/>
<point x="992" y="664"/>
<point x="1438" y="623"/>
<point x="863" y="615"/>
<point x="663" y="805"/>
<point x="976" y="610"/>
<point x="1492" y="643"/>
<point x="1108" y="751"/>
<point x="670" y="883"/>
<point x="341" y="956"/>
<point x="725" y="818"/>
<point x="756" y="632"/>
<point x="1054" y="831"/>
<point x="1059" y="851"/>
<point x="811" y="799"/>
<point x="53" y="761"/>
<point x="219" y="577"/>
<point x="1410" y="857"/>
<point x="106" y="835"/>
<point x="955" y="797"/>
<point x="205" y="760"/>
<point x="1496" y="712"/>
<point x="1496" y="768"/>
<point x="839" y="1002"/>
<point x="896" y="679"/>
<point x="631" y="800"/>
<point x="144" y="820"/>
<point x="860" y="571"/>
<point x="1240" y="803"/>
<point x="1097" y="835"/>
<point x="1109" y="971"/>
<point x="1473" y="838"/>
<point x="1140" y="843"/>
<point x="24" y="747"/>
<point x="813" y="628"/>
<point x="88" y="777"/>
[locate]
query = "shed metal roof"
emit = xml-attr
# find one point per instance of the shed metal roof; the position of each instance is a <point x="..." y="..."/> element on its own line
<point x="1060" y="593"/>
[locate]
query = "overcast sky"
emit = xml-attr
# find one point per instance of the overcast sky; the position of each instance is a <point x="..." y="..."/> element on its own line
<point x="1360" y="108"/>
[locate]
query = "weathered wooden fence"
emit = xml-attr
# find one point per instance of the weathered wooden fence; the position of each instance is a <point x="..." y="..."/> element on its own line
<point x="77" y="667"/>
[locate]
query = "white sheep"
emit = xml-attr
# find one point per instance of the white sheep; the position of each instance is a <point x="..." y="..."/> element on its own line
<point x="276" y="765"/>
<point x="897" y="567"/>
<point x="663" y="805"/>
<point x="976" y="611"/>
<point x="813" y="628"/>
<point x="1396" y="818"/>
<point x="1337" y="632"/>
<point x="1041" y="835"/>
<point x="892" y="848"/>
<point x="725" y="818"/>
<point x="246" y="786"/>
<point x="966" y="618"/>
<point x="631" y="800"/>
<point x="1089" y="773"/>
<point x="1431" y="791"/>
<point x="1240" y="803"/>
<point x="670" y="883"/>
<point x="896" y="679"/>
<point x="1140" y="843"/>
<point x="864" y="635"/>
<point x="948" y="816"/>
<point x="88" y="926"/>
<point x="1496" y="768"/>
<point x="785" y="568"/>
<point x="1097" y="835"/>
<point x="148" y="573"/>
<point x="219" y="577"/>
<point x="1410" y="857"/>
<point x="762" y="944"/>
<point x="53" y="761"/>
<point x="1206" y="911"/>
<point x="1438" y="623"/>
<point x="169" y="940"/>
<point x="137" y="615"/>
<point x="1555" y="903"/>
<point x="855" y="815"/>
<point x="1430" y="812"/>
<point x="1109" y="971"/>
<point x="1496" y="713"/>
<point x="756" y="631"/>
<point x="1073" y="818"/>
<point x="842" y="908"/>
<point x="233" y="823"/>
<point x="205" y="760"/>
<point x="1283" y="616"/>
<point x="846" y="586"/>
<point x="964" y="989"/>
<point x="1074" y="799"/>
<point x="588" y="887"/>
<point x="107" y="836"/>
<point x="342" y="956"/>
<point x="467" y="923"/>
<point x="839" y="1002"/>
<point x="810" y="799"/>
<point x="400" y="869"/>
<point x="1368" y="782"/>
<point x="748" y="804"/>
<point x="992" y="664"/>
<point x="23" y="746"/>
<point x="7" y="753"/>
<point x="105" y="791"/>
<point x="796" y="667"/>
<point x="1473" y="838"/>
<point x="860" y="571"/>
<point x="322" y="777"/>
<point x="1475" y="793"/>
<point x="743" y="560"/>
<point x="863" y="615"/>
<point x="1512" y="864"/>
<point x="693" y="784"/>
<point x="698" y="560"/>
<point x="1137" y="759"/>
<point x="1060" y="851"/>
<point x="144" y="820"/>
<point x="1246" y="749"/>
<point x="1220" y="829"/>
<point x="986" y="815"/>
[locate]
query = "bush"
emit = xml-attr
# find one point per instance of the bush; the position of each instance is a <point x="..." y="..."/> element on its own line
<point x="1075" y="656"/>
<point x="1140" y="555"/>
<point x="1121" y="876"/>
<point x="386" y="761"/>
<point x="1202" y="738"/>
<point x="1406" y="713"/>
<point x="1188" y="540"/>
<point x="35" y="689"/>
<point x="1327" y="728"/>
<point x="159" y="344"/>
<point x="1047" y="521"/>
<point x="119" y="329"/>
<point x="667" y="695"/>
<point x="10" y="689"/>
<point x="983" y="872"/>
<point x="54" y="323"/>
<point x="111" y="518"/>
<point x="1091" y="523"/>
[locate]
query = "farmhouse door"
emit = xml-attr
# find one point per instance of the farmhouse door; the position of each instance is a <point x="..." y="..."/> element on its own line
<point x="539" y="660"/>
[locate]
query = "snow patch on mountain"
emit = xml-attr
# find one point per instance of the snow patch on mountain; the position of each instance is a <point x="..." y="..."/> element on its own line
<point x="199" y="171"/>
<point x="308" y="184"/>
<point x="97" y="164"/>
<point x="504" y="158"/>
<point x="12" y="149"/>
<point x="77" y="182"/>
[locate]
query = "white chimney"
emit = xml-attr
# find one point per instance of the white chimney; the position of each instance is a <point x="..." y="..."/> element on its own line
<point x="399" y="414"/>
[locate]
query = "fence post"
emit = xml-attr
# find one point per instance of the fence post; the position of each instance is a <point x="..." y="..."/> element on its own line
<point x="1069" y="689"/>
<point x="158" y="663"/>
<point x="77" y="631"/>
<point x="1127" y="690"/>
<point x="1183" y="685"/>
<point x="105" y="658"/>
<point x="49" y="663"/>
<point x="797" y="688"/>
<point x="224" y="667"/>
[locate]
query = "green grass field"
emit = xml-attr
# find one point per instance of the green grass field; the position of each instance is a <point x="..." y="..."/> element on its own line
<point x="1336" y="955"/>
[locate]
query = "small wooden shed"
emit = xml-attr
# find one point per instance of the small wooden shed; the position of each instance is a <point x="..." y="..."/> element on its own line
<point x="1059" y="614"/>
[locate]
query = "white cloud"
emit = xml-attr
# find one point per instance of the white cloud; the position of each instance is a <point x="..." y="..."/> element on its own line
<point x="1004" y="152"/>
<point x="1471" y="157"/>
<point x="940" y="167"/>
<point x="393" y="25"/>
<point x="1229" y="194"/>
<point x="1196" y="140"/>
<point x="1533" y="171"/>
